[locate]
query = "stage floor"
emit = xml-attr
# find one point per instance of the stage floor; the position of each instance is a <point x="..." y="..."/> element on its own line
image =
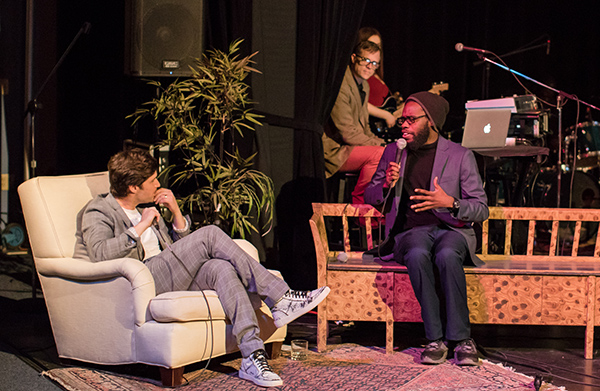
<point x="25" y="334"/>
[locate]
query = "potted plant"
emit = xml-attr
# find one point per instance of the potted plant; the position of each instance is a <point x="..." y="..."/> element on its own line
<point x="196" y="117"/>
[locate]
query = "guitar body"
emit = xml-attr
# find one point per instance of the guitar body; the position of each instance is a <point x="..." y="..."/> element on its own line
<point x="392" y="103"/>
<point x="379" y="126"/>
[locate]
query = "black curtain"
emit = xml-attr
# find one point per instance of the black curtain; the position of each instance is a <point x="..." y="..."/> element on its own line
<point x="326" y="31"/>
<point x="227" y="21"/>
<point x="326" y="34"/>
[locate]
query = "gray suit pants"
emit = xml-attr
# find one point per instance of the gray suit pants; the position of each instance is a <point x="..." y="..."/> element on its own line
<point x="214" y="261"/>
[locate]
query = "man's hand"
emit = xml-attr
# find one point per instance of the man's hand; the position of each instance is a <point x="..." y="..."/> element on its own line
<point x="432" y="199"/>
<point x="392" y="174"/>
<point x="390" y="119"/>
<point x="148" y="216"/>
<point x="164" y="197"/>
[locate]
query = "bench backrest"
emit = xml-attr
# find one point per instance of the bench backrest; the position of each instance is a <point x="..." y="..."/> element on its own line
<point x="545" y="234"/>
<point x="510" y="233"/>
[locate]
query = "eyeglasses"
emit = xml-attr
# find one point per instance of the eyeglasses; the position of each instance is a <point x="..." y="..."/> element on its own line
<point x="365" y="61"/>
<point x="411" y="120"/>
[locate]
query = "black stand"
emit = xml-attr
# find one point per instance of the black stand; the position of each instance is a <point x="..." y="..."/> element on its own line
<point x="33" y="106"/>
<point x="485" y="85"/>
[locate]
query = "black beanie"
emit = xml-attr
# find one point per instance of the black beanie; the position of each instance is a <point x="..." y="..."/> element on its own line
<point x="435" y="106"/>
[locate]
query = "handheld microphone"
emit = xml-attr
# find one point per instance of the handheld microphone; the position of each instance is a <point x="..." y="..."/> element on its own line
<point x="460" y="47"/>
<point x="86" y="27"/>
<point x="400" y="144"/>
<point x="342" y="257"/>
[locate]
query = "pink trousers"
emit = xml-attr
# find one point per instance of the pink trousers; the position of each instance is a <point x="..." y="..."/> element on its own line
<point x="363" y="159"/>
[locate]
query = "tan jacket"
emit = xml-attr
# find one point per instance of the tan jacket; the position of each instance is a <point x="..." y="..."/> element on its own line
<point x="348" y="125"/>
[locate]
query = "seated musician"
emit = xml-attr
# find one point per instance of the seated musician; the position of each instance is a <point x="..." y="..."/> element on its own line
<point x="348" y="143"/>
<point x="381" y="104"/>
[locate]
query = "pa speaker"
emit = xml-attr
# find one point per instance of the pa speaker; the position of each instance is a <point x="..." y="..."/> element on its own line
<point x="163" y="37"/>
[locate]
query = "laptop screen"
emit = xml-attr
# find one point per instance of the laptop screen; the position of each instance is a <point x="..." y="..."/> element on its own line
<point x="486" y="128"/>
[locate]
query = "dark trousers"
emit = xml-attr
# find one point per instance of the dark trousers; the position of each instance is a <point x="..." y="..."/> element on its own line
<point x="422" y="249"/>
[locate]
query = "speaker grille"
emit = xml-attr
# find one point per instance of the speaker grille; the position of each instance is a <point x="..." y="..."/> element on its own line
<point x="167" y="36"/>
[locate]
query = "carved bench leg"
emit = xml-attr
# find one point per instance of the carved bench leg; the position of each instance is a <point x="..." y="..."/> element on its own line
<point x="273" y="349"/>
<point x="171" y="377"/>
<point x="389" y="336"/>
<point x="590" y="321"/>
<point x="322" y="327"/>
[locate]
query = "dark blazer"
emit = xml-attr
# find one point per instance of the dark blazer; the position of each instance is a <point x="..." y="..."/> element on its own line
<point x="458" y="176"/>
<point x="105" y="232"/>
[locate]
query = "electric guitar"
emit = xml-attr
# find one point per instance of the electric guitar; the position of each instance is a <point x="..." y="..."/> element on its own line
<point x="393" y="103"/>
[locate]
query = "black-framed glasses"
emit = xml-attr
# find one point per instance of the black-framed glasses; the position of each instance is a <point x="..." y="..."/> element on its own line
<point x="411" y="120"/>
<point x="365" y="61"/>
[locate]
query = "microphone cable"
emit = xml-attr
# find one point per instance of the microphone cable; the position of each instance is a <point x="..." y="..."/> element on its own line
<point x="210" y="318"/>
<point x="400" y="148"/>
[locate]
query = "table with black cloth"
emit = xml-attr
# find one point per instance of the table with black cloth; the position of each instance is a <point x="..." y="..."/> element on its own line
<point x="511" y="167"/>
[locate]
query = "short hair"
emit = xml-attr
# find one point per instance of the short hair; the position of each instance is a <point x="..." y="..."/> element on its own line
<point x="130" y="167"/>
<point x="364" y="33"/>
<point x="366" y="46"/>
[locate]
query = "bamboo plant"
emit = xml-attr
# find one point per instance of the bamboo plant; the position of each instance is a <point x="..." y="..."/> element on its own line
<point x="196" y="117"/>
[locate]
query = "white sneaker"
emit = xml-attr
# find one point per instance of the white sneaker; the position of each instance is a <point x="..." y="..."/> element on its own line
<point x="297" y="303"/>
<point x="256" y="369"/>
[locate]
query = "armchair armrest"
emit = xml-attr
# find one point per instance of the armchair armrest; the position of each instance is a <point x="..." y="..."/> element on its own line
<point x="128" y="278"/>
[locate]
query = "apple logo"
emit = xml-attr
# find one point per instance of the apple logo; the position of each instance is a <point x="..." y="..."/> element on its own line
<point x="487" y="128"/>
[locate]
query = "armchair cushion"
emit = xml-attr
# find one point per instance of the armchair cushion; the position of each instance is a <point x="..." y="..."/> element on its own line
<point x="186" y="306"/>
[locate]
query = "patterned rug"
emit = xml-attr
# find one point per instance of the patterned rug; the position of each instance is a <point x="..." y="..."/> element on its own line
<point x="346" y="367"/>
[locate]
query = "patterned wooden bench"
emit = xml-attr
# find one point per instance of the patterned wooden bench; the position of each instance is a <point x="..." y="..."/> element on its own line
<point x="541" y="269"/>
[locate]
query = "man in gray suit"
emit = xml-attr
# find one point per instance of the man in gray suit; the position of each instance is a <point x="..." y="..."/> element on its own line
<point x="436" y="194"/>
<point x="113" y="227"/>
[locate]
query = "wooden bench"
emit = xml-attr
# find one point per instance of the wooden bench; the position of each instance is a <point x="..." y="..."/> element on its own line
<point x="536" y="272"/>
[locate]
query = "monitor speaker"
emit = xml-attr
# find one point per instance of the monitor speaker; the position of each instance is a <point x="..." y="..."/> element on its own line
<point x="163" y="37"/>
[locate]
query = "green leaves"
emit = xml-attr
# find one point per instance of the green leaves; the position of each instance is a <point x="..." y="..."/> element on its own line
<point x="194" y="115"/>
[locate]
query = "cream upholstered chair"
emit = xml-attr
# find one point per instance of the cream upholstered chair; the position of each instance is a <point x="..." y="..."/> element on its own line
<point x="108" y="312"/>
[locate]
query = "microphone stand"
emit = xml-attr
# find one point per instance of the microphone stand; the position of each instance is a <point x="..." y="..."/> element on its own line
<point x="486" y="71"/>
<point x="33" y="106"/>
<point x="559" y="102"/>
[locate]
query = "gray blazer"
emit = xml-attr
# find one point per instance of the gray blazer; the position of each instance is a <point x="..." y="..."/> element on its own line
<point x="458" y="176"/>
<point x="105" y="232"/>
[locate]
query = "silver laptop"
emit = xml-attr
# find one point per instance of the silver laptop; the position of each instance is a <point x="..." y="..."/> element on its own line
<point x="486" y="128"/>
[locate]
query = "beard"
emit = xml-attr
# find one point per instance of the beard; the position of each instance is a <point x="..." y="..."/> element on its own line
<point x="420" y="138"/>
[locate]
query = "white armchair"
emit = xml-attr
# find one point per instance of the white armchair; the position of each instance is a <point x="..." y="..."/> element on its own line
<point x="108" y="312"/>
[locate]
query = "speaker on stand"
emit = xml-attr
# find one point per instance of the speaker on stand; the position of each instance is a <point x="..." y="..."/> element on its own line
<point x="162" y="37"/>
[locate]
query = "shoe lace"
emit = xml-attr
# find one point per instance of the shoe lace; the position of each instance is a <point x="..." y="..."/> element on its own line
<point x="433" y="345"/>
<point x="260" y="360"/>
<point x="466" y="346"/>
<point x="297" y="295"/>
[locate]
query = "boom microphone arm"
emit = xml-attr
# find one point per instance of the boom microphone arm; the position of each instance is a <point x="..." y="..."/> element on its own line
<point x="32" y="106"/>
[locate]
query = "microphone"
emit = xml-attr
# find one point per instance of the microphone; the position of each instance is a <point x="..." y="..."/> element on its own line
<point x="86" y="27"/>
<point x="155" y="223"/>
<point x="342" y="257"/>
<point x="400" y="144"/>
<point x="548" y="48"/>
<point x="460" y="47"/>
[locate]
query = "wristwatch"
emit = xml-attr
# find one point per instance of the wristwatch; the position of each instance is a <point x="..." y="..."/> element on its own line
<point x="455" y="206"/>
